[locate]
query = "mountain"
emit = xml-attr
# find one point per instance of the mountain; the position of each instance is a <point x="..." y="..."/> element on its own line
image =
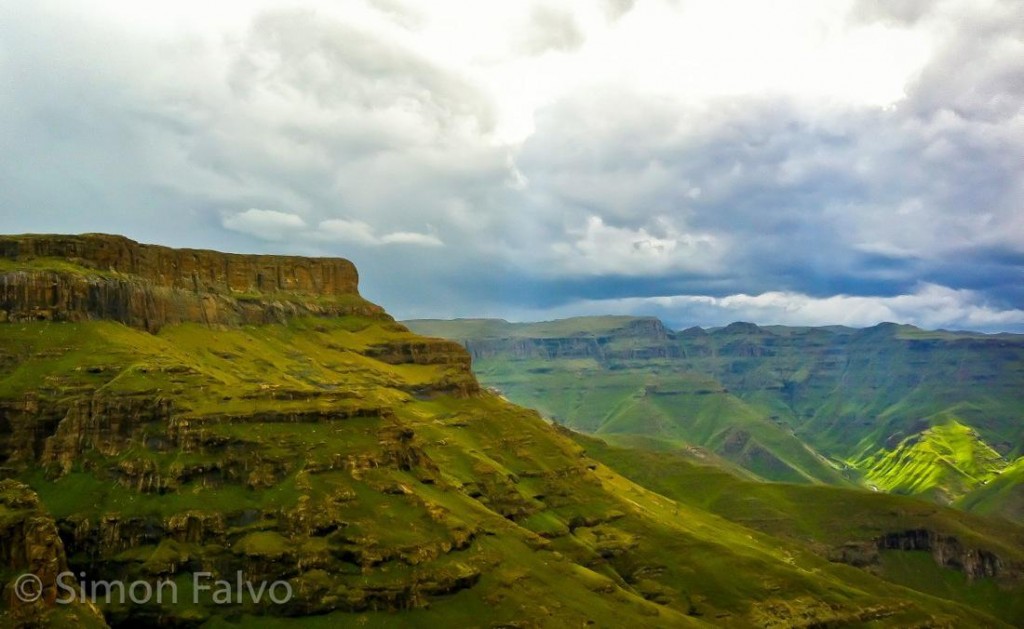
<point x="176" y="419"/>
<point x="902" y="409"/>
<point x="619" y="377"/>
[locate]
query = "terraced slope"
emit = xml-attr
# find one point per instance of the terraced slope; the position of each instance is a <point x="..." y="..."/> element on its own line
<point x="319" y="442"/>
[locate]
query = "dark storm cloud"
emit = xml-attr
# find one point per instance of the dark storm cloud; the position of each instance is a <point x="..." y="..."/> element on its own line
<point x="858" y="201"/>
<point x="855" y="201"/>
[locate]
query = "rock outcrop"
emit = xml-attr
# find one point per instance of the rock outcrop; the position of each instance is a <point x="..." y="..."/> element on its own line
<point x="96" y="276"/>
<point x="32" y="554"/>
<point x="948" y="551"/>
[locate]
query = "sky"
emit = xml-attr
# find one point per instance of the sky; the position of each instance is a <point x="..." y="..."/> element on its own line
<point x="804" y="162"/>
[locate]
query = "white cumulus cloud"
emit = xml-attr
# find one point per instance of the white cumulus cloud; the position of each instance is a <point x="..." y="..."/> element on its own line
<point x="275" y="226"/>
<point x="265" y="224"/>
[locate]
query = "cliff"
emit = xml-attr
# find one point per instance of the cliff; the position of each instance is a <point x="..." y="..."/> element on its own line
<point x="97" y="276"/>
<point x="194" y="270"/>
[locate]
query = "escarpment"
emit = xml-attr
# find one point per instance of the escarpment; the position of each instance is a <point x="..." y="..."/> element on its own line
<point x="949" y="551"/>
<point x="633" y="339"/>
<point x="195" y="411"/>
<point x="189" y="269"/>
<point x="96" y="276"/>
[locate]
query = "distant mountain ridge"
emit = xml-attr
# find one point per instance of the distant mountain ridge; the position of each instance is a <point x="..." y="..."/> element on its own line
<point x="851" y="395"/>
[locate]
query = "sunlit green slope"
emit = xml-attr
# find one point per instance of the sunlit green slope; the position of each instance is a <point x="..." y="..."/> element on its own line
<point x="315" y="452"/>
<point x="937" y="550"/>
<point x="949" y="460"/>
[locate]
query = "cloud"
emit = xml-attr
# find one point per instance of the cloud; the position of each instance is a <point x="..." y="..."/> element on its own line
<point x="272" y="225"/>
<point x="411" y="238"/>
<point x="600" y="249"/>
<point x="578" y="153"/>
<point x="341" y="230"/>
<point x="810" y="201"/>
<point x="618" y="8"/>
<point x="400" y="12"/>
<point x="265" y="224"/>
<point x="551" y="29"/>
<point x="930" y="306"/>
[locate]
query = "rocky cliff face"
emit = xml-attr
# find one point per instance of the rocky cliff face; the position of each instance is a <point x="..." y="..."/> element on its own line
<point x="947" y="550"/>
<point x="31" y="545"/>
<point x="193" y="270"/>
<point x="94" y="276"/>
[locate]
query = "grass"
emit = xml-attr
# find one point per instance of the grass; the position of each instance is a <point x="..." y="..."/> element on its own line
<point x="834" y="405"/>
<point x="1002" y="496"/>
<point x="820" y="518"/>
<point x="661" y="402"/>
<point x="430" y="510"/>
<point x="950" y="458"/>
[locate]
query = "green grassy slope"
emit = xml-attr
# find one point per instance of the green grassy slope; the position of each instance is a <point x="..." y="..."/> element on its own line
<point x="948" y="459"/>
<point x="842" y="524"/>
<point x="302" y="451"/>
<point x="858" y="398"/>
<point x="658" y="401"/>
<point x="1003" y="495"/>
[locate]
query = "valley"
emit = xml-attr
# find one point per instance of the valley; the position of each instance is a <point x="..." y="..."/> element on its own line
<point x="891" y="408"/>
